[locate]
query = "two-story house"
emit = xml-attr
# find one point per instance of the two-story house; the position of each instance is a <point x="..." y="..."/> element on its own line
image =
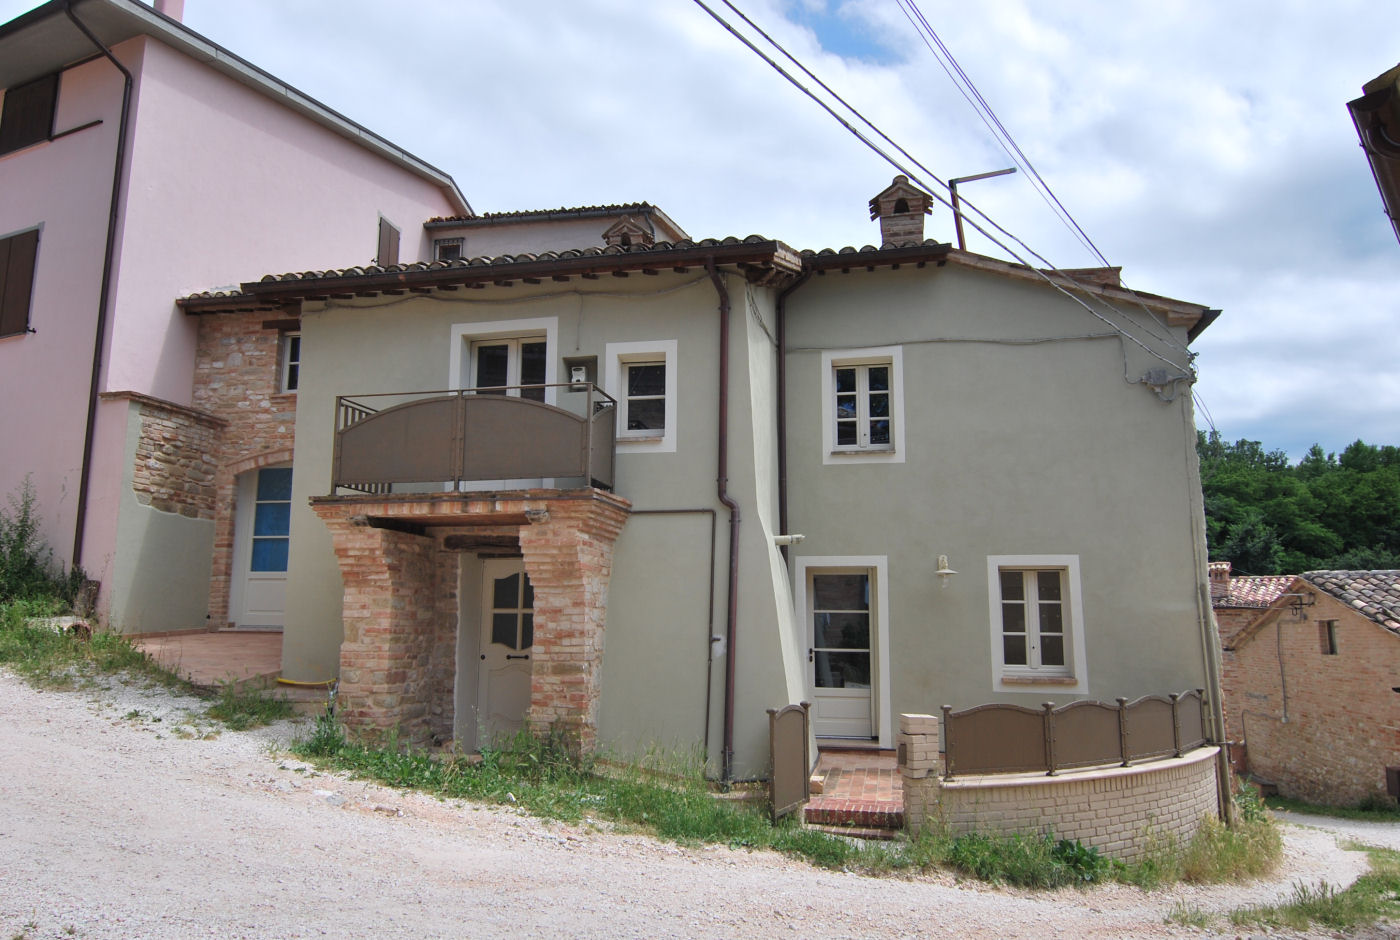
<point x="650" y="490"/>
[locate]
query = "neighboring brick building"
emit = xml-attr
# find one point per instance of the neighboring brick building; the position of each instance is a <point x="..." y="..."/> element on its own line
<point x="1315" y="678"/>
<point x="1237" y="602"/>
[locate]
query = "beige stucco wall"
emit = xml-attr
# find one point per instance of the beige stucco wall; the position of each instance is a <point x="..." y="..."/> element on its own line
<point x="1022" y="438"/>
<point x="657" y="674"/>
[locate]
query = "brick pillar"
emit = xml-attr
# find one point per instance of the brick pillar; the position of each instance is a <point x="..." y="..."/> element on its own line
<point x="920" y="767"/>
<point x="569" y="559"/>
<point x="394" y="619"/>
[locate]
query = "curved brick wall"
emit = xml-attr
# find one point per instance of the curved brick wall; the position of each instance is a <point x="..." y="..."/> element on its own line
<point x="1121" y="811"/>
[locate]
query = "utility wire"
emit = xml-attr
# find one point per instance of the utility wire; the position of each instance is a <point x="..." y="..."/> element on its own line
<point x="895" y="163"/>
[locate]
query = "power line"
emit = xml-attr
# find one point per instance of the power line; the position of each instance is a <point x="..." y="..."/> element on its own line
<point x="1057" y="285"/>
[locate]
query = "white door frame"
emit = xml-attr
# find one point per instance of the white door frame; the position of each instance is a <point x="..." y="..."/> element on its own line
<point x="878" y="568"/>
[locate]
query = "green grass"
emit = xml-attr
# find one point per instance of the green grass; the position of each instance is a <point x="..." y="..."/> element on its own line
<point x="1375" y="896"/>
<point x="1189" y="916"/>
<point x="1373" y="809"/>
<point x="56" y="659"/>
<point x="241" y="708"/>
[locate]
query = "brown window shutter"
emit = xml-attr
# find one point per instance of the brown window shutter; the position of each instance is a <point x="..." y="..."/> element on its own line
<point x="17" y="255"/>
<point x="388" y="243"/>
<point x="26" y="114"/>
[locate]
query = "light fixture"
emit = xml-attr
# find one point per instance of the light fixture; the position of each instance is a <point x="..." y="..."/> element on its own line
<point x="944" y="572"/>
<point x="788" y="539"/>
<point x="578" y="375"/>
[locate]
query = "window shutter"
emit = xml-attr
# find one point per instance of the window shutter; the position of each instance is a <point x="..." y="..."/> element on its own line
<point x="26" y="115"/>
<point x="17" y="255"/>
<point x="388" y="243"/>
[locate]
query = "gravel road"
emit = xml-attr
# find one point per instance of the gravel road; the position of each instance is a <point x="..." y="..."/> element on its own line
<point x="125" y="815"/>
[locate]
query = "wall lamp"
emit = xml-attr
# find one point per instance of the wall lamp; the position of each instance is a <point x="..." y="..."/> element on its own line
<point x="788" y="539"/>
<point x="944" y="572"/>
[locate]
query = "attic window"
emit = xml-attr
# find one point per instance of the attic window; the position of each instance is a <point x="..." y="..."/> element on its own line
<point x="901" y="206"/>
<point x="447" y="249"/>
<point x="26" y="113"/>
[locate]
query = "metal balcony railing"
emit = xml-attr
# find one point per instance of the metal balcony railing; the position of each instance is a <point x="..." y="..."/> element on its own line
<point x="386" y="443"/>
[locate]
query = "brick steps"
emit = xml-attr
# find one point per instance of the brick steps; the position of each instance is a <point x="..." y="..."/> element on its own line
<point x="861" y="814"/>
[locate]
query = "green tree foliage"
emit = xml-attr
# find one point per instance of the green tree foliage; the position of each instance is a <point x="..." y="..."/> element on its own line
<point x="1267" y="516"/>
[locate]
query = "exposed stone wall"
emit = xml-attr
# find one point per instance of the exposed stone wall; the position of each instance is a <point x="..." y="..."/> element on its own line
<point x="1121" y="811"/>
<point x="175" y="456"/>
<point x="398" y="662"/>
<point x="236" y="377"/>
<point x="1343" y="719"/>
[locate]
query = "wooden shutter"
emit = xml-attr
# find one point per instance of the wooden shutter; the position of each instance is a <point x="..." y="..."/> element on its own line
<point x="388" y="243"/>
<point x="17" y="254"/>
<point x="26" y="115"/>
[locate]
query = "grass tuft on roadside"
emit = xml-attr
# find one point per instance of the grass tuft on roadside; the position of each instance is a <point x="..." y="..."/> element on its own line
<point x="242" y="707"/>
<point x="1374" y="896"/>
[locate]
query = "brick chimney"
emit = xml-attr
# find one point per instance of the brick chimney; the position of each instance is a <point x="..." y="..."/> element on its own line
<point x="901" y="209"/>
<point x="175" y="9"/>
<point x="1219" y="581"/>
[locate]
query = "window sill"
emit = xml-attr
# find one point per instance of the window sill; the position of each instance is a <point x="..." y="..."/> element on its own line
<point x="642" y="439"/>
<point x="870" y="452"/>
<point x="1039" y="680"/>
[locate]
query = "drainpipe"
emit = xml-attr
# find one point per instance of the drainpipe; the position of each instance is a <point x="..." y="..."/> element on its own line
<point x="782" y="401"/>
<point x="722" y="489"/>
<point x="104" y="300"/>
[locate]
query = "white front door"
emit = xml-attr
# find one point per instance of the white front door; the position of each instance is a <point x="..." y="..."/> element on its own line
<point x="839" y="653"/>
<point x="507" y="634"/>
<point x="262" y="530"/>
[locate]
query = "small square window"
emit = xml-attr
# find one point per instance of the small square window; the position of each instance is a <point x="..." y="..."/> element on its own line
<point x="18" y="255"/>
<point x="26" y="113"/>
<point x="642" y="377"/>
<point x="863" y="406"/>
<point x="291" y="362"/>
<point x="447" y="249"/>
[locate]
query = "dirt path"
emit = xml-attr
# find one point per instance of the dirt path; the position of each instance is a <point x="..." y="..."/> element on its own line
<point x="123" y="816"/>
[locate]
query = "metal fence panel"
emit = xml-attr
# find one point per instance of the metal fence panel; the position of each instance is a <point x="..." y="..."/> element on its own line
<point x="790" y="784"/>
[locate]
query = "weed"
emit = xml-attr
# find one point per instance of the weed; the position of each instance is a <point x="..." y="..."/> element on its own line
<point x="1027" y="861"/>
<point x="1374" y="896"/>
<point x="241" y="707"/>
<point x="1219" y="853"/>
<point x="1188" y="916"/>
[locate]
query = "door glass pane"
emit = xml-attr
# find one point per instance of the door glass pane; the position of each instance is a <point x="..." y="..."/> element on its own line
<point x="527" y="631"/>
<point x="841" y="592"/>
<point x="849" y="631"/>
<point x="845" y="406"/>
<point x="269" y="555"/>
<point x="845" y="432"/>
<point x="272" y="519"/>
<point x="1012" y="587"/>
<point x="1052" y="650"/>
<point x="275" y="483"/>
<point x="503" y="629"/>
<point x="492" y="365"/>
<point x="879" y="378"/>
<point x="1048" y="585"/>
<point x="532" y="369"/>
<point x="1051" y="618"/>
<point x="880" y="432"/>
<point x="505" y="594"/>
<point x="880" y="405"/>
<point x="845" y="380"/>
<point x="842" y="670"/>
<point x="1013" y="618"/>
<point x="529" y="600"/>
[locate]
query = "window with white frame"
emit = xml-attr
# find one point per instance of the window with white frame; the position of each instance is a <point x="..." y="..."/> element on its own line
<point x="863" y="405"/>
<point x="290" y="362"/>
<point x="1037" y="620"/>
<point x="642" y="377"/>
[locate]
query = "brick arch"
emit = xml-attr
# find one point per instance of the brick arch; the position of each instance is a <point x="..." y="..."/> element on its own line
<point x="225" y="512"/>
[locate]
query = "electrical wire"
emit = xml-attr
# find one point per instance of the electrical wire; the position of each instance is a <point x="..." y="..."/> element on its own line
<point x="1189" y="373"/>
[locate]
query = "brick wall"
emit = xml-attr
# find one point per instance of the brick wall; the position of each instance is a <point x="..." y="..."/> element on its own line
<point x="236" y="378"/>
<point x="1343" y="725"/>
<point x="1122" y="811"/>
<point x="175" y="456"/>
<point x="1229" y="622"/>
<point x="398" y="658"/>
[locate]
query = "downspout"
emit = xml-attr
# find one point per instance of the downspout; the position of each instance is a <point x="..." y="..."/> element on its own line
<point x="782" y="401"/>
<point x="105" y="299"/>
<point x="722" y="490"/>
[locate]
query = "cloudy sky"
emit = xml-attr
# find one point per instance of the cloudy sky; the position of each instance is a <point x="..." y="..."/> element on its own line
<point x="1205" y="147"/>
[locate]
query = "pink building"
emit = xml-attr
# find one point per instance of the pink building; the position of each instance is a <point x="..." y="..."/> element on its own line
<point x="140" y="162"/>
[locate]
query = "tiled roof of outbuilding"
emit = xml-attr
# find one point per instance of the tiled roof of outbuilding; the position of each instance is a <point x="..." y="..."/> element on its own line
<point x="530" y="215"/>
<point x="1254" y="591"/>
<point x="1373" y="594"/>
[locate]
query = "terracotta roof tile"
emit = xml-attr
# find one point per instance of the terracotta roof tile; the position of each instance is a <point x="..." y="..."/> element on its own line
<point x="1253" y="591"/>
<point x="1374" y="594"/>
<point x="525" y="215"/>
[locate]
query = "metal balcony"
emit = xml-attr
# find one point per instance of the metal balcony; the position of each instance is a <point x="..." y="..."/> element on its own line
<point x="426" y="441"/>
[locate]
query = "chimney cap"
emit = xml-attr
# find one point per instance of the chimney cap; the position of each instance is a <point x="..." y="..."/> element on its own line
<point x="916" y="200"/>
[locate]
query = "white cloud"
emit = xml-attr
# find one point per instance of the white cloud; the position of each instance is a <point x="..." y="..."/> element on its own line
<point x="1206" y="147"/>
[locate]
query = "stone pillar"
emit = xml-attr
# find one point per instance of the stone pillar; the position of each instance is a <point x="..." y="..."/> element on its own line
<point x="920" y="768"/>
<point x="393" y="622"/>
<point x="569" y="559"/>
